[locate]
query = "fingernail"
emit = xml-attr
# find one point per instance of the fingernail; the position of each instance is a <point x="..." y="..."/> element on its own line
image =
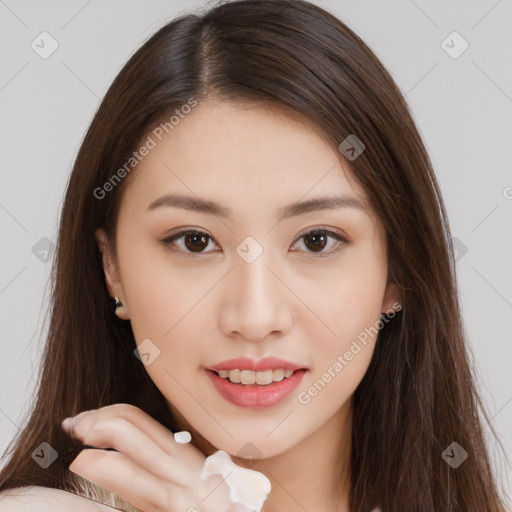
<point x="182" y="437"/>
<point x="67" y="423"/>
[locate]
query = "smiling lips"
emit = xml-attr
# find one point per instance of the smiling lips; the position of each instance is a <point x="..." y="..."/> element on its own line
<point x="255" y="384"/>
<point x="246" y="371"/>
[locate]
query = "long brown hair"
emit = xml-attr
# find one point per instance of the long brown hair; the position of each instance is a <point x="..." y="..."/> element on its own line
<point x="418" y="395"/>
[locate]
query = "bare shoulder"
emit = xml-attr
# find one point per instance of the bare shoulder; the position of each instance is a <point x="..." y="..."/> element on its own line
<point x="45" y="499"/>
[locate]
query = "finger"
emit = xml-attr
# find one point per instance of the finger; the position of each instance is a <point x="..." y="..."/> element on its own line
<point x="162" y="436"/>
<point x="121" y="476"/>
<point x="123" y="436"/>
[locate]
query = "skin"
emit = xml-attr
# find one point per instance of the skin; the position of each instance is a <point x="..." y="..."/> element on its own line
<point x="202" y="308"/>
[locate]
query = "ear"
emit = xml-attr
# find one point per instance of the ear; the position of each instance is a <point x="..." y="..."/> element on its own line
<point x="110" y="268"/>
<point x="392" y="300"/>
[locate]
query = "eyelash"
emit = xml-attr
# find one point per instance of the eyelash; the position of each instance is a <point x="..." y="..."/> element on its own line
<point x="169" y="240"/>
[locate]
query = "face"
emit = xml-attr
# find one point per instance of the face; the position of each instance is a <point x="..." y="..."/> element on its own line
<point x="257" y="276"/>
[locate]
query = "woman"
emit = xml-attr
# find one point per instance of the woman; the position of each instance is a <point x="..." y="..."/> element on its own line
<point x="255" y="199"/>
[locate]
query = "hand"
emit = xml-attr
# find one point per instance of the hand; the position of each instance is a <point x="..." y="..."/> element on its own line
<point x="149" y="469"/>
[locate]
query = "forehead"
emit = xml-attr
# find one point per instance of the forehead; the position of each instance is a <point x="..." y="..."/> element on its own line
<point x="246" y="154"/>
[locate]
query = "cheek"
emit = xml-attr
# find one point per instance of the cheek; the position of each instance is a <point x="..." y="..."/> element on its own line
<point x="349" y="304"/>
<point x="341" y="358"/>
<point x="169" y="307"/>
<point x="160" y="294"/>
<point x="347" y="299"/>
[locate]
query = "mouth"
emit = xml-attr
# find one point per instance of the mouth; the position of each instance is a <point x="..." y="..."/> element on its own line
<point x="252" y="395"/>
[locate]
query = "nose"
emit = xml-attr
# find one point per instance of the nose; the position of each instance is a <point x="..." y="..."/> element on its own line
<point x="256" y="303"/>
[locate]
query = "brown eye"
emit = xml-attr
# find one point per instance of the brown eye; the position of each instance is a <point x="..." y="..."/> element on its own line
<point x="188" y="242"/>
<point x="317" y="240"/>
<point x="196" y="242"/>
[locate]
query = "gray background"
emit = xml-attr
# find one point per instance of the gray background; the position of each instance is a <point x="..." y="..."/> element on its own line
<point x="463" y="108"/>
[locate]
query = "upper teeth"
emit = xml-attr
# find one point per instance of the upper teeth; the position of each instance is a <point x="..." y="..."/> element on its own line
<point x="250" y="377"/>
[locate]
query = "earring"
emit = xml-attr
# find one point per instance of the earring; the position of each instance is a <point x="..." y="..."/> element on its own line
<point x="116" y="303"/>
<point x="119" y="309"/>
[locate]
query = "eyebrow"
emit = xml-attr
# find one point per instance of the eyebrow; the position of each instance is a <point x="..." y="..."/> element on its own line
<point x="212" y="208"/>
